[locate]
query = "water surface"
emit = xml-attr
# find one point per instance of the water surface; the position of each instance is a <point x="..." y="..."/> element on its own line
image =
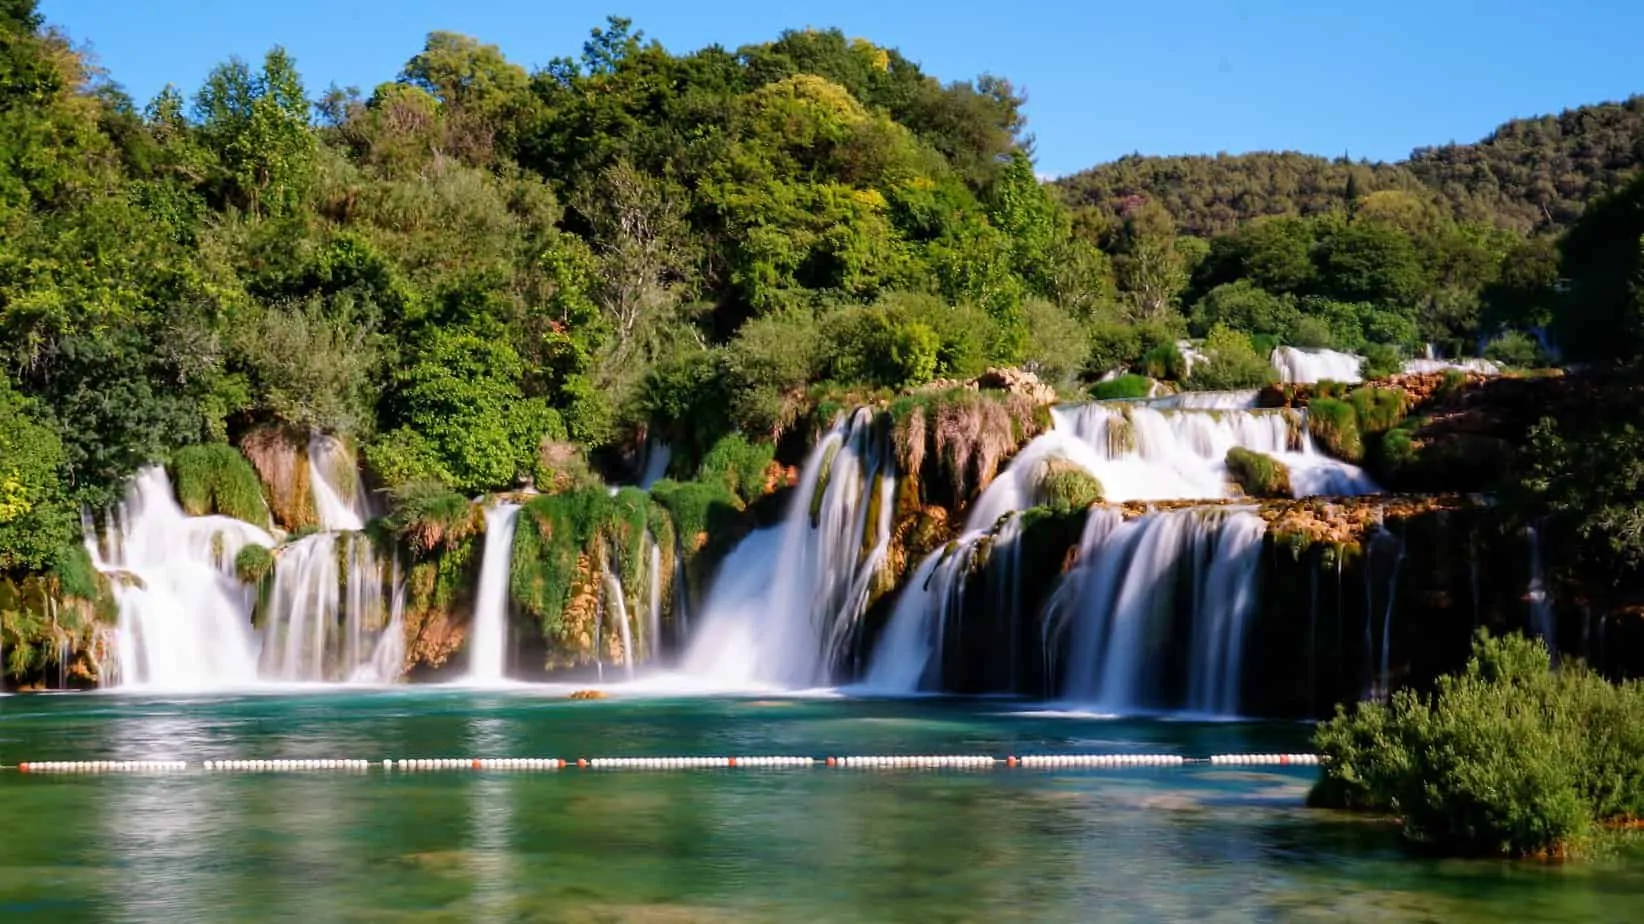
<point x="1142" y="844"/>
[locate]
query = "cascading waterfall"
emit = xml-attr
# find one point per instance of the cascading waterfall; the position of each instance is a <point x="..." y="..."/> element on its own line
<point x="1383" y="550"/>
<point x="1308" y="366"/>
<point x="388" y="659"/>
<point x="1541" y="610"/>
<point x="616" y="607"/>
<point x="653" y="600"/>
<point x="788" y="598"/>
<point x="910" y="654"/>
<point x="184" y="618"/>
<point x="488" y="646"/>
<point x="327" y="610"/>
<point x="654" y="468"/>
<point x="1142" y="453"/>
<point x="1140" y="583"/>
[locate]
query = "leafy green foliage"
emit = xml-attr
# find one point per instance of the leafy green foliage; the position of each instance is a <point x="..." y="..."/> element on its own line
<point x="430" y="517"/>
<point x="739" y="465"/>
<point x="1515" y="350"/>
<point x="253" y="563"/>
<point x="1124" y="386"/>
<point x="1230" y="362"/>
<point x="1508" y="757"/>
<point x="35" y="516"/>
<point x="1063" y="486"/>
<point x="216" y="478"/>
<point x="1258" y="474"/>
<point x="1334" y="424"/>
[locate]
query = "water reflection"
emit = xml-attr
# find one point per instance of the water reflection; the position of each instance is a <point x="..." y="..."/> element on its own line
<point x="490" y="857"/>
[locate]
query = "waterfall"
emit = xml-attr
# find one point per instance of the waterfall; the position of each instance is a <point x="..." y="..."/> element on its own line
<point x="1206" y="400"/>
<point x="654" y="466"/>
<point x="1143" y="582"/>
<point x="617" y="608"/>
<point x="1541" y="610"/>
<point x="653" y="602"/>
<point x="1385" y="550"/>
<point x="910" y="655"/>
<point x="388" y="658"/>
<point x="1143" y="453"/>
<point x="327" y="611"/>
<point x="488" y="646"/>
<point x="184" y="618"/>
<point x="1474" y="365"/>
<point x="788" y="598"/>
<point x="1306" y="366"/>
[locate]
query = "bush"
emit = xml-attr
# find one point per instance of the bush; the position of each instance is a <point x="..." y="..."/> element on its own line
<point x="253" y="563"/>
<point x="1124" y="386"/>
<point x="1057" y="345"/>
<point x="1506" y="758"/>
<point x="1113" y="346"/>
<point x="1165" y="362"/>
<point x="1245" y="306"/>
<point x="739" y="465"/>
<point x="1380" y="361"/>
<point x="1377" y="410"/>
<point x="428" y="516"/>
<point x="1334" y="424"/>
<point x="216" y="478"/>
<point x="1514" y="349"/>
<point x="1311" y="333"/>
<point x="1230" y="362"/>
<point x="1064" y="487"/>
<point x="1258" y="474"/>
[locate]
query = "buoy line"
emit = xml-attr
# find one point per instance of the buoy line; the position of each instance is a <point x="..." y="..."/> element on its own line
<point x="539" y="764"/>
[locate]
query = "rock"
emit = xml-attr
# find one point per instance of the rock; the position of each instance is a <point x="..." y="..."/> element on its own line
<point x="588" y="694"/>
<point x="1017" y="382"/>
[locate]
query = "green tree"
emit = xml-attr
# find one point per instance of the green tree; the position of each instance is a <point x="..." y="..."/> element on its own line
<point x="257" y="125"/>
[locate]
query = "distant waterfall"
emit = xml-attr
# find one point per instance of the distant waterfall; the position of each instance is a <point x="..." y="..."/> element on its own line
<point x="788" y="598"/>
<point x="334" y="483"/>
<point x="1143" y="584"/>
<point x="184" y="618"/>
<point x="1541" y="609"/>
<point x="654" y="463"/>
<point x="488" y="641"/>
<point x="1308" y="366"/>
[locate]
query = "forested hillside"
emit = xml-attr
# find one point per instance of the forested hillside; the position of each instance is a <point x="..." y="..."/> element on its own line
<point x="1528" y="175"/>
<point x="485" y="277"/>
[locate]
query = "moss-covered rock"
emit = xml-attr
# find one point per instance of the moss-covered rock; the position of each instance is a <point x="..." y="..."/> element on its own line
<point x="280" y="457"/>
<point x="954" y="443"/>
<point x="1334" y="426"/>
<point x="1258" y="474"/>
<point x="429" y="517"/>
<point x="1122" y="387"/>
<point x="1064" y="486"/>
<point x="253" y="563"/>
<point x="214" y="478"/>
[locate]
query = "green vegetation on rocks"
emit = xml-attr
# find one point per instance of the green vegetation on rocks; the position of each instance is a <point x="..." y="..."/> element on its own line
<point x="1508" y="757"/>
<point x="215" y="478"/>
<point x="1258" y="474"/>
<point x="253" y="563"/>
<point x="1063" y="486"/>
<point x="1125" y="386"/>
<point x="1334" y="425"/>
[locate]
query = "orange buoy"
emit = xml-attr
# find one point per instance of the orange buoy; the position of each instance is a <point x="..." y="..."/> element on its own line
<point x="731" y="761"/>
<point x="23" y="768"/>
<point x="1010" y="761"/>
<point x="582" y="762"/>
<point x="832" y="762"/>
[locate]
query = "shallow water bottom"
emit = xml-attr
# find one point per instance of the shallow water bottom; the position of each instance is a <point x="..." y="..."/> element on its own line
<point x="1195" y="843"/>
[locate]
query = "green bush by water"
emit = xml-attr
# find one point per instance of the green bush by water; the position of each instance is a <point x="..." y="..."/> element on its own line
<point x="1063" y="487"/>
<point x="253" y="563"/>
<point x="216" y="478"/>
<point x="1124" y="386"/>
<point x="739" y="464"/>
<point x="1508" y="757"/>
<point x="1334" y="424"/>
<point x="1258" y="474"/>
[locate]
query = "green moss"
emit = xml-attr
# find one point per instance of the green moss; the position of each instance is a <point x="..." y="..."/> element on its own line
<point x="428" y="516"/>
<point x="1258" y="474"/>
<point x="253" y="563"/>
<point x="1063" y="486"/>
<point x="1124" y="386"/>
<point x="1377" y="409"/>
<point x="555" y="530"/>
<point x="1334" y="425"/>
<point x="214" y="478"/>
<point x="741" y="465"/>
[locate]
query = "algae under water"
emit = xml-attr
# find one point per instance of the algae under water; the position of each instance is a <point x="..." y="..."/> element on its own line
<point x="1147" y="844"/>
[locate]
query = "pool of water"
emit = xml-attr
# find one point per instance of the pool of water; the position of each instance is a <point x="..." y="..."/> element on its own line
<point x="1195" y="843"/>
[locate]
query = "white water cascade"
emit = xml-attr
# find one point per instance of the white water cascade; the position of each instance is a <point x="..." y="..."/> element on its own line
<point x="184" y="618"/>
<point x="488" y="645"/>
<point x="1307" y="366"/>
<point x="654" y="467"/>
<point x="786" y="600"/>
<point x="1142" y="583"/>
<point x="327" y="612"/>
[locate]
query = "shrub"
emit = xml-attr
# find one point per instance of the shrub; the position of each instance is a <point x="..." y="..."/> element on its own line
<point x="428" y="516"/>
<point x="253" y="563"/>
<point x="1165" y="362"/>
<point x="1380" y="361"/>
<point x="1057" y="345"/>
<point x="216" y="478"/>
<point x="1514" y="349"/>
<point x="1334" y="424"/>
<point x="1124" y="386"/>
<point x="1063" y="486"/>
<point x="1377" y="409"/>
<point x="1258" y="474"/>
<point x="739" y="465"/>
<point x="1312" y="333"/>
<point x="1113" y="346"/>
<point x="1508" y="757"/>
<point x="1230" y="362"/>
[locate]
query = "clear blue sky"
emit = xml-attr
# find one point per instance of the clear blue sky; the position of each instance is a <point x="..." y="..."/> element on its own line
<point x="1372" y="79"/>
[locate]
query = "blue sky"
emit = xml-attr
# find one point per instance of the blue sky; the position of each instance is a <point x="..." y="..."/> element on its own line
<point x="1371" y="79"/>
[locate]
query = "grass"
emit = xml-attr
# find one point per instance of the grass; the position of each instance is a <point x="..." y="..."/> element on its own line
<point x="214" y="478"/>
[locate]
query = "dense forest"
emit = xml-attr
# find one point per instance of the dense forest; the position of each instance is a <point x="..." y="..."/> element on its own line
<point x="1529" y="175"/>
<point x="486" y="277"/>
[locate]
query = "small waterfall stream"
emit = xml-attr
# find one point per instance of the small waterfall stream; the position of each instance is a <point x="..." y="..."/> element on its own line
<point x="488" y="645"/>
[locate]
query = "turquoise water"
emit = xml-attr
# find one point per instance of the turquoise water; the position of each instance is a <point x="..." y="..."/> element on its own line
<point x="1145" y="844"/>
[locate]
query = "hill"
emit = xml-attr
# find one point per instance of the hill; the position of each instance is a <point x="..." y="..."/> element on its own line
<point x="1529" y="174"/>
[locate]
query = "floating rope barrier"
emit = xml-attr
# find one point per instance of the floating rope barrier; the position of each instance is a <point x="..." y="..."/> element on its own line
<point x="756" y="762"/>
